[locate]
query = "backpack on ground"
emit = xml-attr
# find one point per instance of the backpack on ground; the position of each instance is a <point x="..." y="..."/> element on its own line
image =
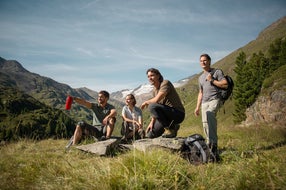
<point x="196" y="150"/>
<point x="226" y="93"/>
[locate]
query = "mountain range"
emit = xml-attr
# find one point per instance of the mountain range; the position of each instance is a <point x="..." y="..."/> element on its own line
<point x="53" y="93"/>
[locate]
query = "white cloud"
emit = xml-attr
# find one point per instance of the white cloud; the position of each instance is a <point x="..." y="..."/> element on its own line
<point x="85" y="51"/>
<point x="110" y="43"/>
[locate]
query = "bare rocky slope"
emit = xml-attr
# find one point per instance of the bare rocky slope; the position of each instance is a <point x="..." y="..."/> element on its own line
<point x="270" y="107"/>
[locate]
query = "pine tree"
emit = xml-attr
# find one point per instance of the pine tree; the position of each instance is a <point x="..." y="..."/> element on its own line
<point x="239" y="114"/>
<point x="282" y="53"/>
<point x="277" y="54"/>
<point x="249" y="79"/>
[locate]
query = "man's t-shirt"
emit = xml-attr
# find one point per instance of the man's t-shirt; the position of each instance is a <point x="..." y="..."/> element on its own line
<point x="99" y="113"/>
<point x="172" y="98"/>
<point x="210" y="91"/>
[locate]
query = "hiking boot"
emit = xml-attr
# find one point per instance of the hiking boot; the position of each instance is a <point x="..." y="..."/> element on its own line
<point x="141" y="133"/>
<point x="103" y="138"/>
<point x="149" y="134"/>
<point x="215" y="153"/>
<point x="171" y="132"/>
<point x="215" y="157"/>
<point x="123" y="140"/>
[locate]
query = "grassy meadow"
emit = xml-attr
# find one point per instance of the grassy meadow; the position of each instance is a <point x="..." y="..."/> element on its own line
<point x="252" y="158"/>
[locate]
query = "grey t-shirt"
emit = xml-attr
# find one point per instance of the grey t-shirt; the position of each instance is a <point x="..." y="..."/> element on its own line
<point x="210" y="91"/>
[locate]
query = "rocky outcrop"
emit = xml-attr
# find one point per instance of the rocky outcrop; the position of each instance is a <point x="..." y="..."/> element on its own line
<point x="268" y="109"/>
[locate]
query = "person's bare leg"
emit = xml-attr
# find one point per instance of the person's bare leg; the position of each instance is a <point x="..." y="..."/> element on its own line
<point x="77" y="135"/>
<point x="110" y="128"/>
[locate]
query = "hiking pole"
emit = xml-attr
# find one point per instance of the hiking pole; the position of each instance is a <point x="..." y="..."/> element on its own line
<point x="171" y="124"/>
<point x="134" y="125"/>
<point x="134" y="128"/>
<point x="70" y="142"/>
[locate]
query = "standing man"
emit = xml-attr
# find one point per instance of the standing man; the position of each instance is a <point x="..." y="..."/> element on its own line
<point x="166" y="108"/>
<point x="104" y="118"/>
<point x="209" y="100"/>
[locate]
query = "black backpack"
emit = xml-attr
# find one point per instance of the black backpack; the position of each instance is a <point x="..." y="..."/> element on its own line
<point x="196" y="150"/>
<point x="224" y="94"/>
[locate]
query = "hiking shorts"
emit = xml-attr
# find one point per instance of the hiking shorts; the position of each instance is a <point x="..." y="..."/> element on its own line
<point x="96" y="131"/>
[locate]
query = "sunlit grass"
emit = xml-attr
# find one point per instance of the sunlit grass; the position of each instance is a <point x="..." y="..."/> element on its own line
<point x="253" y="158"/>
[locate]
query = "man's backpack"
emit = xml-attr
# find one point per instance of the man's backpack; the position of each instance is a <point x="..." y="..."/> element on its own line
<point x="196" y="150"/>
<point x="224" y="94"/>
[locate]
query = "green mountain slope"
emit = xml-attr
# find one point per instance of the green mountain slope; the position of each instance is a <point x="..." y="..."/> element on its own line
<point x="22" y="116"/>
<point x="44" y="89"/>
<point x="227" y="64"/>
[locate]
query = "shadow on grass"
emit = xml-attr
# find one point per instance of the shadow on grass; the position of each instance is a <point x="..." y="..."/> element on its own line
<point x="273" y="146"/>
<point x="250" y="152"/>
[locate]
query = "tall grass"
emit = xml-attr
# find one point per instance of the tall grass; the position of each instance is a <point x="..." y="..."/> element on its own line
<point x="253" y="158"/>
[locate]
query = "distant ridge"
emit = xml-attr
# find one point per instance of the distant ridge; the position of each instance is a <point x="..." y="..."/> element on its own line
<point x="44" y="89"/>
<point x="53" y="93"/>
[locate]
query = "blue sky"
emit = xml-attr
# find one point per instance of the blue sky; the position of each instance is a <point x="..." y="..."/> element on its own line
<point x="109" y="44"/>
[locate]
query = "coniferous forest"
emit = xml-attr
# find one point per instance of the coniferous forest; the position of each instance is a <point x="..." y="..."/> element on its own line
<point x="22" y="117"/>
<point x="250" y="75"/>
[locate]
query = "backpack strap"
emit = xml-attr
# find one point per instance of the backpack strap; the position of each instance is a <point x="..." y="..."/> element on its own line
<point x="214" y="70"/>
<point x="194" y="139"/>
<point x="203" y="153"/>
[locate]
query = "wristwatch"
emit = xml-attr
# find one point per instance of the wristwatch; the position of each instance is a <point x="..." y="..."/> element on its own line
<point x="212" y="81"/>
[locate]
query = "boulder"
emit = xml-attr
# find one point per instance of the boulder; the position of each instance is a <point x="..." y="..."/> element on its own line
<point x="108" y="147"/>
<point x="101" y="148"/>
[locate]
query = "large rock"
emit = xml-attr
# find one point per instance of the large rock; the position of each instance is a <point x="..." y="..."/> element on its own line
<point x="169" y="143"/>
<point x="108" y="147"/>
<point x="101" y="148"/>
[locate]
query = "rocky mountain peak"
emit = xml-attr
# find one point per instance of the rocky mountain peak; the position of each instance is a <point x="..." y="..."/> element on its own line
<point x="11" y="66"/>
